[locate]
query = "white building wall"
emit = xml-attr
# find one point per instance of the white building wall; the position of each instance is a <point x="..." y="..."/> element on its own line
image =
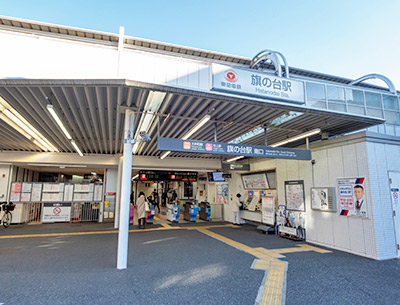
<point x="373" y="237"/>
<point x="5" y="178"/>
<point x="58" y="58"/>
<point x="383" y="158"/>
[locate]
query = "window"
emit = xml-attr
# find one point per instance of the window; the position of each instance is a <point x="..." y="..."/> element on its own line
<point x="375" y="112"/>
<point x="390" y="102"/>
<point x="335" y="94"/>
<point x="337" y="107"/>
<point x="316" y="95"/>
<point x="392" y="117"/>
<point x="373" y="100"/>
<point x="354" y="97"/>
<point x="356" y="109"/>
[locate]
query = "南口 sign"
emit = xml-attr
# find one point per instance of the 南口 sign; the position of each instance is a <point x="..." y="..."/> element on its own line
<point x="254" y="83"/>
<point x="232" y="149"/>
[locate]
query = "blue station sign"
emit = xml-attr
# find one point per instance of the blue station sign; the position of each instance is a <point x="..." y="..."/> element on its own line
<point x="202" y="147"/>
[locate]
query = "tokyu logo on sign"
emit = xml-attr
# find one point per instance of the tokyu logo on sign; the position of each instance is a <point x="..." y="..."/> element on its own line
<point x="231" y="76"/>
<point x="256" y="83"/>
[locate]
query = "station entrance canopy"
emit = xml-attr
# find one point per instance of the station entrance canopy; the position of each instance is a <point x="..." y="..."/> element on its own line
<point x="93" y="113"/>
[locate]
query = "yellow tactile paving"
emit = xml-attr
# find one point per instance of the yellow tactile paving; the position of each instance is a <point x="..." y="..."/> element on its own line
<point x="268" y="259"/>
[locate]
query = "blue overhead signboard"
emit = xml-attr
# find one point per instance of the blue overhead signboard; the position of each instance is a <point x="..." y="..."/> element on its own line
<point x="255" y="83"/>
<point x="191" y="146"/>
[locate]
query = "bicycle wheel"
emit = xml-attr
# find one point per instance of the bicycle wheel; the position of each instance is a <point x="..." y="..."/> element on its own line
<point x="7" y="220"/>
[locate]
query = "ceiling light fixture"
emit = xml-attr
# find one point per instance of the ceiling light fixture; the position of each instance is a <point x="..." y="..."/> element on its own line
<point x="53" y="113"/>
<point x="235" y="158"/>
<point x="12" y="117"/>
<point x="76" y="148"/>
<point x="299" y="137"/>
<point x="187" y="135"/>
<point x="152" y="105"/>
<point x="60" y="124"/>
<point x="164" y="155"/>
<point x="196" y="127"/>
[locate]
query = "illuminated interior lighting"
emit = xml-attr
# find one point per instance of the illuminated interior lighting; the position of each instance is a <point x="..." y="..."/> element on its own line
<point x="135" y="177"/>
<point x="164" y="155"/>
<point x="56" y="165"/>
<point x="15" y="126"/>
<point x="300" y="136"/>
<point x="58" y="121"/>
<point x="196" y="127"/>
<point x="235" y="158"/>
<point x="20" y="124"/>
<point x="76" y="148"/>
<point x="152" y="105"/>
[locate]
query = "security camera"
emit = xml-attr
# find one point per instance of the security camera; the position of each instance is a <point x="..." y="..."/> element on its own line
<point x="144" y="137"/>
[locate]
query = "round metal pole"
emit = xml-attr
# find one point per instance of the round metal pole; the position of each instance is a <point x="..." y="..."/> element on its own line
<point x="123" y="234"/>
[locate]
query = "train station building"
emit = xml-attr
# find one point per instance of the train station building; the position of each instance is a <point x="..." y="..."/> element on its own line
<point x="88" y="117"/>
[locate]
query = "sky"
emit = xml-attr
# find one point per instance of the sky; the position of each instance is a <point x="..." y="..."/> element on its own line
<point x="344" y="38"/>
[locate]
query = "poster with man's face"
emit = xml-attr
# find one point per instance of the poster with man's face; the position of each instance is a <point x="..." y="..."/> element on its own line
<point x="352" y="198"/>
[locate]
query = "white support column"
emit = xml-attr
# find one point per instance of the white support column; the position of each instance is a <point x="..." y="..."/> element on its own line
<point x="118" y="194"/>
<point x="123" y="235"/>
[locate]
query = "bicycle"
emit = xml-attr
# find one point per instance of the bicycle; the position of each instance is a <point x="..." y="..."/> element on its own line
<point x="6" y="217"/>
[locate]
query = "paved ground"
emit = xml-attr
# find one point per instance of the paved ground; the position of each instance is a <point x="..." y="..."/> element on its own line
<point x="188" y="265"/>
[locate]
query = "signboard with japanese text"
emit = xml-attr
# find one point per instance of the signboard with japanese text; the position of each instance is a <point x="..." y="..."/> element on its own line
<point x="56" y="212"/>
<point x="256" y="83"/>
<point x="15" y="194"/>
<point x="268" y="210"/>
<point x="352" y="199"/>
<point x="191" y="146"/>
<point x="235" y="167"/>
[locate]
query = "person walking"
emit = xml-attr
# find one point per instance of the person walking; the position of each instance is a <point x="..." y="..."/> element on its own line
<point x="141" y="203"/>
<point x="236" y="207"/>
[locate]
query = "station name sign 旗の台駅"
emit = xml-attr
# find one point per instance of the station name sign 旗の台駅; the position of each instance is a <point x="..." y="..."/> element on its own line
<point x="257" y="84"/>
<point x="203" y="147"/>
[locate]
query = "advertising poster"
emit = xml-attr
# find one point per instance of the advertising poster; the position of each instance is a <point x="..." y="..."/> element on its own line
<point x="352" y="199"/>
<point x="56" y="212"/>
<point x="294" y="191"/>
<point x="15" y="194"/>
<point x="222" y="193"/>
<point x="268" y="210"/>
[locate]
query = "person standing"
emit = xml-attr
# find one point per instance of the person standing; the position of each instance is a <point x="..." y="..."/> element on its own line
<point x="174" y="195"/>
<point x="141" y="203"/>
<point x="164" y="198"/>
<point x="236" y="207"/>
<point x="156" y="200"/>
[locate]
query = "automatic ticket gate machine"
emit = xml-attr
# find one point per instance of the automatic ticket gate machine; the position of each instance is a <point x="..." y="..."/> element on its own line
<point x="204" y="210"/>
<point x="190" y="211"/>
<point x="173" y="212"/>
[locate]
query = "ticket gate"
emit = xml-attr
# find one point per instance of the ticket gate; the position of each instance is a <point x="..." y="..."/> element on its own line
<point x="190" y="211"/>
<point x="173" y="212"/>
<point x="204" y="210"/>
